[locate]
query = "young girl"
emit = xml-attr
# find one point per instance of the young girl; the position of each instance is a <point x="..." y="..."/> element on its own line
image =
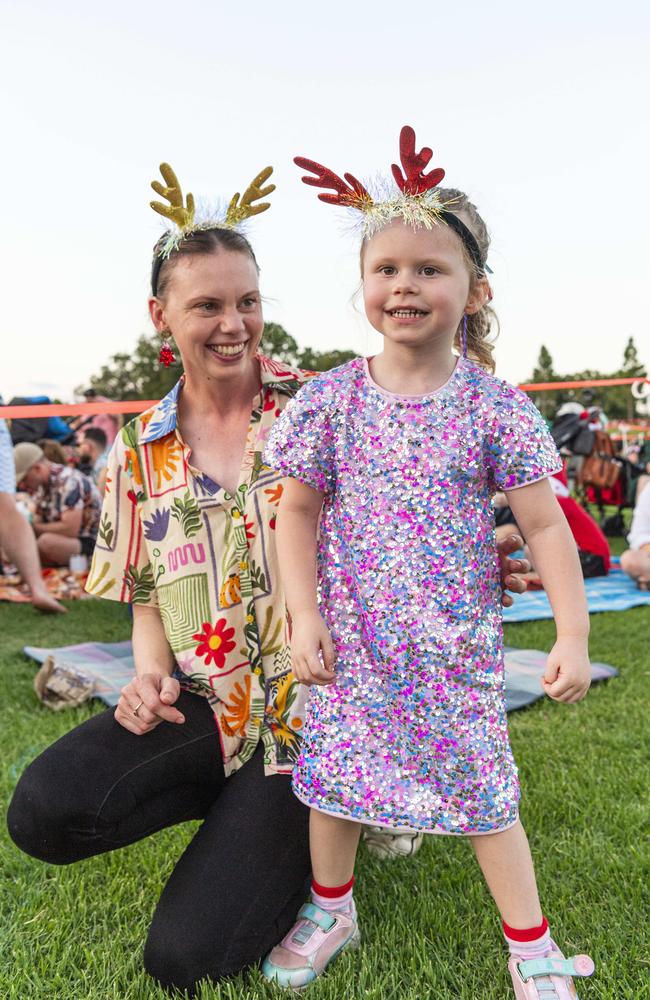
<point x="399" y="455"/>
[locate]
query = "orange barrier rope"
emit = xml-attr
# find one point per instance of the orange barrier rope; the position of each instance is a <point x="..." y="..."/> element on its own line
<point x="138" y="405"/>
<point x="587" y="384"/>
<point x="76" y="409"/>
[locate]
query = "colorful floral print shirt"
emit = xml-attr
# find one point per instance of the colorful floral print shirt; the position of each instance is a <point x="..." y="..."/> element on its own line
<point x="172" y="538"/>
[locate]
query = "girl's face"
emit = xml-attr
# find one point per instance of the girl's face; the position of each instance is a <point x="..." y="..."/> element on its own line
<point x="416" y="285"/>
<point x="212" y="308"/>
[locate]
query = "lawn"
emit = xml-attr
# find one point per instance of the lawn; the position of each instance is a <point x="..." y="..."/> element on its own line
<point x="429" y="927"/>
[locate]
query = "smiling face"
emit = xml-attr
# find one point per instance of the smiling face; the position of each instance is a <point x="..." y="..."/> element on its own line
<point x="417" y="285"/>
<point x="211" y="305"/>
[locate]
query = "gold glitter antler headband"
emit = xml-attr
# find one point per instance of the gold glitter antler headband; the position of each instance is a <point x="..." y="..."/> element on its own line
<point x="187" y="219"/>
<point x="239" y="212"/>
<point x="182" y="215"/>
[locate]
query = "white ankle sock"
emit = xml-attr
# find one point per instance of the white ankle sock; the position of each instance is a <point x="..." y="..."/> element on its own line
<point x="343" y="903"/>
<point x="537" y="948"/>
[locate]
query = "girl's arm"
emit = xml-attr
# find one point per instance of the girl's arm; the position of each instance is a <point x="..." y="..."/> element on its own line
<point x="296" y="534"/>
<point x="568" y="673"/>
<point x="153" y="688"/>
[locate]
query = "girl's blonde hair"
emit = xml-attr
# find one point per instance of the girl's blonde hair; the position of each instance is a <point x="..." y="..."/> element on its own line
<point x="482" y="326"/>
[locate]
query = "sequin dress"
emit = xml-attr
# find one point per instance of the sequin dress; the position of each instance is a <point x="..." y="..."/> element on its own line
<point x="412" y="734"/>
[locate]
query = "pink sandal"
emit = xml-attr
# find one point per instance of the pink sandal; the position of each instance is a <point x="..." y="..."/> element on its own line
<point x="548" y="978"/>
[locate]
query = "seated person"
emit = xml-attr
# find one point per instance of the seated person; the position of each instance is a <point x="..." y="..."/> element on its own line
<point x="93" y="456"/>
<point x="636" y="560"/>
<point x="68" y="505"/>
<point x="16" y="537"/>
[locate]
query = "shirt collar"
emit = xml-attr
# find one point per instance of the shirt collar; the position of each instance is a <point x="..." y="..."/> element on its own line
<point x="274" y="375"/>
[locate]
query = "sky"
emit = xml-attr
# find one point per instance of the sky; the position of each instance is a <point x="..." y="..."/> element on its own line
<point x="537" y="111"/>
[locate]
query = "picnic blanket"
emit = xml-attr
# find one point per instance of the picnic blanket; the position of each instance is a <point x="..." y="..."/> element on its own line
<point x="615" y="592"/>
<point x="61" y="583"/>
<point x="111" y="667"/>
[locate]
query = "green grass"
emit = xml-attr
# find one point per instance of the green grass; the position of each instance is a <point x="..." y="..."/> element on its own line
<point x="430" y="930"/>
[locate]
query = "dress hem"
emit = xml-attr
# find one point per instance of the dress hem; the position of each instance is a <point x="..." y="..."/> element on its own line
<point x="405" y="829"/>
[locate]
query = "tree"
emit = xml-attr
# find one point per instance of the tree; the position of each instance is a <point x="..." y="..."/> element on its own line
<point x="620" y="401"/>
<point x="140" y="375"/>
<point x="617" y="401"/>
<point x="322" y="361"/>
<point x="543" y="372"/>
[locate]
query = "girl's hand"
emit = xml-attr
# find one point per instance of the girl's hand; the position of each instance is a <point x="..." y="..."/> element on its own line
<point x="509" y="567"/>
<point x="568" y="672"/>
<point x="312" y="649"/>
<point x="152" y="696"/>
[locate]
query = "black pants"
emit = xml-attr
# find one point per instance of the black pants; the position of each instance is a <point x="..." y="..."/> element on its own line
<point x="237" y="888"/>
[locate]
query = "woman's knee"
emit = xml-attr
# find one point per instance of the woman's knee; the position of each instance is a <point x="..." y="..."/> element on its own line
<point x="37" y="818"/>
<point x="179" y="962"/>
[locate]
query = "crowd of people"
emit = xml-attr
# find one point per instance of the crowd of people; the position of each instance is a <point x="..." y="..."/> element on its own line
<point x="51" y="492"/>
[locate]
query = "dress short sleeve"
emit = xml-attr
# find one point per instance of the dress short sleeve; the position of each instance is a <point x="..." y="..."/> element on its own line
<point x="301" y="443"/>
<point x="520" y="450"/>
<point x="121" y="568"/>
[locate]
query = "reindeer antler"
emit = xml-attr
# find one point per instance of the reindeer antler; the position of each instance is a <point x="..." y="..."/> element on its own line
<point x="415" y="180"/>
<point x="182" y="215"/>
<point x="349" y="195"/>
<point x="237" y="212"/>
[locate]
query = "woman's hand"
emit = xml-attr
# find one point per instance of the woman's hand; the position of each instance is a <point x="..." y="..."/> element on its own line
<point x="509" y="567"/>
<point x="151" y="696"/>
<point x="312" y="649"/>
<point x="568" y="672"/>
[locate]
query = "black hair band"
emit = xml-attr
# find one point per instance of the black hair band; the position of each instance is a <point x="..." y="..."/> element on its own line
<point x="468" y="238"/>
<point x="155" y="274"/>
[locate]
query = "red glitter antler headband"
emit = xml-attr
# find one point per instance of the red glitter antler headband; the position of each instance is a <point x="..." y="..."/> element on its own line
<point x="417" y="202"/>
<point x="351" y="195"/>
<point x="415" y="180"/>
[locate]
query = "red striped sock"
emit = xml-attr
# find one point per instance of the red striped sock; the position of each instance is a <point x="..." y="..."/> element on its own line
<point x="332" y="898"/>
<point x="530" y="942"/>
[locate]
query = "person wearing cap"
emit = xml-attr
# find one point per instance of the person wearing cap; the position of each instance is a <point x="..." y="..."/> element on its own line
<point x="68" y="505"/>
<point x="16" y="536"/>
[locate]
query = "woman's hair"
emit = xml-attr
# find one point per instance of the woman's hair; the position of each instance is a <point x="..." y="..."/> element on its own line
<point x="203" y="242"/>
<point x="482" y="326"/>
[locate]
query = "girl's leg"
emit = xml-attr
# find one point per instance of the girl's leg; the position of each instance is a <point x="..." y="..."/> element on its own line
<point x="333" y="844"/>
<point x="507" y="865"/>
<point x="327" y="924"/>
<point x="537" y="966"/>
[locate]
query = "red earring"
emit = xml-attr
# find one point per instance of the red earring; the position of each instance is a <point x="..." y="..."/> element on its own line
<point x="166" y="356"/>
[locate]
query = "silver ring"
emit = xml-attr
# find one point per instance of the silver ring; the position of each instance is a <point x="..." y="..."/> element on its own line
<point x="137" y="709"/>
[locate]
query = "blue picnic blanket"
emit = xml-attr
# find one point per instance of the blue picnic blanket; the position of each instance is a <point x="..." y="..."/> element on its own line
<point x="615" y="592"/>
<point x="110" y="665"/>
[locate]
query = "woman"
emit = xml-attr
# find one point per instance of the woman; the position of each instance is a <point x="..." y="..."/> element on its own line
<point x="208" y="727"/>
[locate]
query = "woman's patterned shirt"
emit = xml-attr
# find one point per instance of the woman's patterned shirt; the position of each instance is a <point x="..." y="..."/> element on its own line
<point x="172" y="538"/>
